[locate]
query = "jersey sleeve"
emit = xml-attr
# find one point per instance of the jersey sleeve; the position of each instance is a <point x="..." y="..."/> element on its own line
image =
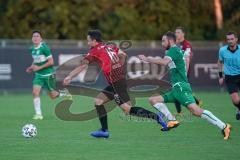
<point x="187" y="52"/>
<point x="170" y="54"/>
<point x="90" y="57"/>
<point x="47" y="52"/>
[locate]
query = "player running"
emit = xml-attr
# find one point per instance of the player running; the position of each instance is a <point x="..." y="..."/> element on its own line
<point x="186" y="47"/>
<point x="181" y="89"/>
<point x="229" y="59"/>
<point x="42" y="66"/>
<point x="111" y="60"/>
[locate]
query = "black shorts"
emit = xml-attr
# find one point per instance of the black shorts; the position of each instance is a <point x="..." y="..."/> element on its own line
<point x="232" y="83"/>
<point x="118" y="92"/>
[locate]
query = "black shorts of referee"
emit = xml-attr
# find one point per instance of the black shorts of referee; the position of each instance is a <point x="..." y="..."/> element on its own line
<point x="232" y="83"/>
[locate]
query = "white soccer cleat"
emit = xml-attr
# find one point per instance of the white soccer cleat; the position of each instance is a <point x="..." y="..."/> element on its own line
<point x="66" y="94"/>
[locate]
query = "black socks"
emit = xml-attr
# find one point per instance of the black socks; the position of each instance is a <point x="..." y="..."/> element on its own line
<point x="238" y="106"/>
<point x="102" y="116"/>
<point x="141" y="112"/>
<point x="178" y="107"/>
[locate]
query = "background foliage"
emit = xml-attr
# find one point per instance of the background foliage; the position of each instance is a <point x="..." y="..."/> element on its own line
<point x="118" y="19"/>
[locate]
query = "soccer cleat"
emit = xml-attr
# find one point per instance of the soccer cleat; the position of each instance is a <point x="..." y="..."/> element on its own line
<point x="37" y="117"/>
<point x="66" y="94"/>
<point x="226" y="132"/>
<point x="100" y="134"/>
<point x="173" y="124"/>
<point x="162" y="122"/>
<point x="238" y="116"/>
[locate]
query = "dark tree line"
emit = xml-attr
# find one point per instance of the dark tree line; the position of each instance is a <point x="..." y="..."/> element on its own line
<point x="118" y="19"/>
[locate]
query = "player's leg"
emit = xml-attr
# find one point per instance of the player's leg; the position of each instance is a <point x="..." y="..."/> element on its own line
<point x="158" y="103"/>
<point x="236" y="102"/>
<point x="185" y="97"/>
<point x="207" y="115"/>
<point x="50" y="83"/>
<point x="178" y="107"/>
<point x="103" y="97"/>
<point x="100" y="100"/>
<point x="123" y="100"/>
<point x="37" y="86"/>
<point x="233" y="86"/>
<point x="142" y="112"/>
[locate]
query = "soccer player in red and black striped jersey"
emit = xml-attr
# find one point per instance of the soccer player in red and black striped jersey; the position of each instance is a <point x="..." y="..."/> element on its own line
<point x="186" y="47"/>
<point x="111" y="60"/>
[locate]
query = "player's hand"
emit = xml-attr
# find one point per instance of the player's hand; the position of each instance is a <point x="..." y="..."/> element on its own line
<point x="67" y="80"/>
<point x="142" y="57"/>
<point x="36" y="68"/>
<point x="29" y="69"/>
<point x="221" y="81"/>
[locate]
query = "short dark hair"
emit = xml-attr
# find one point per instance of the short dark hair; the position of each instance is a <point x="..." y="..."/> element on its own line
<point x="37" y="31"/>
<point x="232" y="32"/>
<point x="181" y="28"/>
<point x="95" y="34"/>
<point x="171" y="35"/>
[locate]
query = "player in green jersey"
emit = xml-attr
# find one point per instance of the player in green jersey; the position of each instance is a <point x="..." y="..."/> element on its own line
<point x="42" y="66"/>
<point x="181" y="89"/>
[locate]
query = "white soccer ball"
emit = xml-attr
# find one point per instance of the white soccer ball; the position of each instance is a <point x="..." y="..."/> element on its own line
<point x="29" y="130"/>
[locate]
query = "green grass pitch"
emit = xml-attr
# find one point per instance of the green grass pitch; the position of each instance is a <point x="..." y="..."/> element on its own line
<point x="130" y="139"/>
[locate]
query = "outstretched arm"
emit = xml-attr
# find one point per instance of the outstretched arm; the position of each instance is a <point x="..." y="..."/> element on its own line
<point x="162" y="61"/>
<point x="76" y="71"/>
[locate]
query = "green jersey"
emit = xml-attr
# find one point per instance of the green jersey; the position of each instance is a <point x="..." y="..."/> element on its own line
<point x="177" y="65"/>
<point x="40" y="56"/>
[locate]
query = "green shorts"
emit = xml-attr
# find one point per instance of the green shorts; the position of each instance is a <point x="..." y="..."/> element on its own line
<point x="180" y="92"/>
<point x="48" y="82"/>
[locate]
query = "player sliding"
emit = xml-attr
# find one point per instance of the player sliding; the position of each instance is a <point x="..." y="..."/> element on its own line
<point x="181" y="89"/>
<point x="42" y="66"/>
<point x="111" y="60"/>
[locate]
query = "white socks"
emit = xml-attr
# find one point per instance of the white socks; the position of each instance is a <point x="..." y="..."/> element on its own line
<point x="163" y="108"/>
<point x="37" y="105"/>
<point x="212" y="119"/>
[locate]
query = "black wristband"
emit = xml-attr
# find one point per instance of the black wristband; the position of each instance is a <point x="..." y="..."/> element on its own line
<point x="220" y="74"/>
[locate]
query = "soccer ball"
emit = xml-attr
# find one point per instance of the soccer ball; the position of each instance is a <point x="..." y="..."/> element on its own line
<point x="29" y="130"/>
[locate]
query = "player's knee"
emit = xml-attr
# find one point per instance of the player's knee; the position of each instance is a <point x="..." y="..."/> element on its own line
<point x="235" y="98"/>
<point x="154" y="100"/>
<point x="126" y="111"/>
<point x="236" y="102"/>
<point x="151" y="100"/>
<point x="98" y="101"/>
<point x="53" y="94"/>
<point x="195" y="110"/>
<point x="35" y="93"/>
<point x="126" y="108"/>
